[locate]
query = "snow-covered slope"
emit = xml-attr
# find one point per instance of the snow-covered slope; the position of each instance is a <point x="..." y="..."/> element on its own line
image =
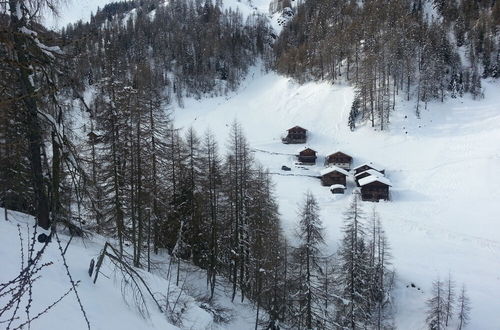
<point x="443" y="216"/>
<point x="103" y="301"/>
<point x="72" y="11"/>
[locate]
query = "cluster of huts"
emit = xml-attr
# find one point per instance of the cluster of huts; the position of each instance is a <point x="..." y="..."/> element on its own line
<point x="370" y="178"/>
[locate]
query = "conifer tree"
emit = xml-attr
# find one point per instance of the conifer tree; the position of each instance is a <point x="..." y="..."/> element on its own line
<point x="306" y="260"/>
<point x="449" y="300"/>
<point x="463" y="309"/>
<point x="353" y="305"/>
<point x="436" y="313"/>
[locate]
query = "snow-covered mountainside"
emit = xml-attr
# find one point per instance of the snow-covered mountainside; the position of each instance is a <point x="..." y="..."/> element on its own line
<point x="442" y="217"/>
<point x="72" y="11"/>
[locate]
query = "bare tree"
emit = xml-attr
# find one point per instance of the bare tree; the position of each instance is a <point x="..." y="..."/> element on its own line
<point x="463" y="309"/>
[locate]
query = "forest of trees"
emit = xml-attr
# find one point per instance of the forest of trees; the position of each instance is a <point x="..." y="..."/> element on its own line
<point x="131" y="175"/>
<point x="195" y="47"/>
<point x="400" y="49"/>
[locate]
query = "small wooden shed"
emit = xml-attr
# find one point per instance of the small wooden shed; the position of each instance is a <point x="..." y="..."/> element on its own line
<point x="295" y="134"/>
<point x="339" y="159"/>
<point x="366" y="173"/>
<point x="307" y="156"/>
<point x="368" y="166"/>
<point x="374" y="188"/>
<point x="337" y="189"/>
<point x="333" y="175"/>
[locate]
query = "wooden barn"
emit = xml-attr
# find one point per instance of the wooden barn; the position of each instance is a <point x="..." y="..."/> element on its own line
<point x="366" y="173"/>
<point x="374" y="188"/>
<point x="307" y="156"/>
<point x="333" y="175"/>
<point x="337" y="189"/>
<point x="339" y="159"/>
<point x="368" y="166"/>
<point x="295" y="134"/>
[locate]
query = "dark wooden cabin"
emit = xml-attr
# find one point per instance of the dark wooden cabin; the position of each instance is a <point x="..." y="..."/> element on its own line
<point x="374" y="188"/>
<point x="307" y="156"/>
<point x="368" y="166"/>
<point x="296" y="134"/>
<point x="339" y="159"/>
<point x="366" y="173"/>
<point x="333" y="175"/>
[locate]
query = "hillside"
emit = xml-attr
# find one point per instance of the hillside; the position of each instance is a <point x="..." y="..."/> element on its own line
<point x="111" y="303"/>
<point x="442" y="216"/>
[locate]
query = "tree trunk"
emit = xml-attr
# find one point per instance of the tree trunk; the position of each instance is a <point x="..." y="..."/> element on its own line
<point x="27" y="91"/>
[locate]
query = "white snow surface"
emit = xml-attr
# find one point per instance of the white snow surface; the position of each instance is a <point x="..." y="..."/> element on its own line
<point x="103" y="302"/>
<point x="443" y="216"/>
<point x="71" y="11"/>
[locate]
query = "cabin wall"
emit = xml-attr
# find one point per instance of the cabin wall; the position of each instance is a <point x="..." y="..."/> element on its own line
<point x="307" y="159"/>
<point x="374" y="192"/>
<point x="333" y="178"/>
<point x="296" y="136"/>
<point x="345" y="166"/>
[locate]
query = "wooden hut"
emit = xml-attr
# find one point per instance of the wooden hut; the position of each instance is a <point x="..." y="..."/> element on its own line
<point x="374" y="188"/>
<point x="368" y="166"/>
<point x="337" y="189"/>
<point x="366" y="173"/>
<point x="333" y="175"/>
<point x="339" y="159"/>
<point x="307" y="156"/>
<point x="295" y="134"/>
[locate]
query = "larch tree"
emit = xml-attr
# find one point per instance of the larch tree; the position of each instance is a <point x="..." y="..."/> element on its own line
<point x="353" y="305"/>
<point x="463" y="309"/>
<point x="436" y="312"/>
<point x="306" y="260"/>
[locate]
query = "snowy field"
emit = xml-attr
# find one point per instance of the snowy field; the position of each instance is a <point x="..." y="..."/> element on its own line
<point x="443" y="216"/>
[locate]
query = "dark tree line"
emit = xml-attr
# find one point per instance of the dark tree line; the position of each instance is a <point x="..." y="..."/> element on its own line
<point x="389" y="48"/>
<point x="156" y="187"/>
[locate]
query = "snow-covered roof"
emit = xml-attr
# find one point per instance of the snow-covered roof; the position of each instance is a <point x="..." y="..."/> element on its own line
<point x="374" y="178"/>
<point x="370" y="172"/>
<point x="305" y="148"/>
<point x="331" y="169"/>
<point x="339" y="152"/>
<point x="337" y="186"/>
<point x="296" y="126"/>
<point x="370" y="164"/>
